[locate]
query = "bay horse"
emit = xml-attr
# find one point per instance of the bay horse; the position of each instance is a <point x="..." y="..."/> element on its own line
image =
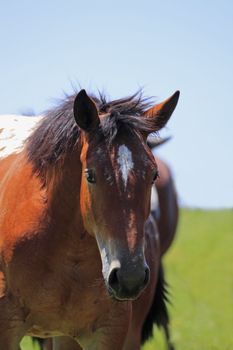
<point x="79" y="254"/>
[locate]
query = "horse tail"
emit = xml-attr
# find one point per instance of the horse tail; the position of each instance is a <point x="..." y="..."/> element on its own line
<point x="158" y="313"/>
<point x="39" y="341"/>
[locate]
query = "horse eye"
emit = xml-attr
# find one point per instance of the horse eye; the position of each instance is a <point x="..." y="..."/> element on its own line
<point x="155" y="175"/>
<point x="90" y="175"/>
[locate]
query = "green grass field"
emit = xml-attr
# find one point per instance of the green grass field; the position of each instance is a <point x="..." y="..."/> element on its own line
<point x="199" y="269"/>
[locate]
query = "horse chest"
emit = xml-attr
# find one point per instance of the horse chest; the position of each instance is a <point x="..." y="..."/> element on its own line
<point x="75" y="294"/>
<point x="71" y="284"/>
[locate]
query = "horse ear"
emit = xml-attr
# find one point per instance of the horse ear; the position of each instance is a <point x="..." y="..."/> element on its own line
<point x="85" y="112"/>
<point x="155" y="142"/>
<point x="162" y="111"/>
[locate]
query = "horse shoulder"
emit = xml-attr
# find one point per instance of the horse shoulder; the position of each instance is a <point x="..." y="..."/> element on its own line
<point x="22" y="201"/>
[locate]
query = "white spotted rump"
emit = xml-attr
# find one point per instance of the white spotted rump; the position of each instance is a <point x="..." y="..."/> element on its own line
<point x="125" y="162"/>
<point x="14" y="129"/>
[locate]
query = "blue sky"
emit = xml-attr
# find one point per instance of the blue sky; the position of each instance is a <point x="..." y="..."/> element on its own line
<point x="119" y="46"/>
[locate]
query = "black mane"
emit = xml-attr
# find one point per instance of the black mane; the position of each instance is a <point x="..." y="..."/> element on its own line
<point x="57" y="134"/>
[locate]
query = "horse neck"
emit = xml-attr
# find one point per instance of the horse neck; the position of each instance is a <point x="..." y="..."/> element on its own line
<point x="63" y="195"/>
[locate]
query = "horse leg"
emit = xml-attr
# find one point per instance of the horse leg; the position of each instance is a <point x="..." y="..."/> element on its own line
<point x="133" y="341"/>
<point x="12" y="324"/>
<point x="65" y="343"/>
<point x="10" y="339"/>
<point x="48" y="344"/>
<point x="111" y="333"/>
<point x="109" y="339"/>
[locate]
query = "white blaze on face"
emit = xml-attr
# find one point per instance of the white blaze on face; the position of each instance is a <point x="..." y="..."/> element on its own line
<point x="14" y="129"/>
<point x="105" y="263"/>
<point x="125" y="162"/>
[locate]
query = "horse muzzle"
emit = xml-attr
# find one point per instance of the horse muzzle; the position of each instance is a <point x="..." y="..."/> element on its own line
<point x="127" y="282"/>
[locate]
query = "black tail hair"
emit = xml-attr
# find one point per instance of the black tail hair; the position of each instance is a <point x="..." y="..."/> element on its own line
<point x="40" y="341"/>
<point x="158" y="313"/>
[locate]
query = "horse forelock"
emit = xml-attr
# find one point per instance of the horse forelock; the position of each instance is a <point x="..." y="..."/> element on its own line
<point x="58" y="134"/>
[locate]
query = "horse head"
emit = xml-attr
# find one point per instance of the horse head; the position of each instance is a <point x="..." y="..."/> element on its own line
<point x="118" y="170"/>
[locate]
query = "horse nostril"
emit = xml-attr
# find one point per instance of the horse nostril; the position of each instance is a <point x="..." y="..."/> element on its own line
<point x="127" y="284"/>
<point x="113" y="279"/>
<point x="147" y="276"/>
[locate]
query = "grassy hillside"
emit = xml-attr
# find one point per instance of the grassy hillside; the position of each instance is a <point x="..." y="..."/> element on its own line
<point x="199" y="269"/>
